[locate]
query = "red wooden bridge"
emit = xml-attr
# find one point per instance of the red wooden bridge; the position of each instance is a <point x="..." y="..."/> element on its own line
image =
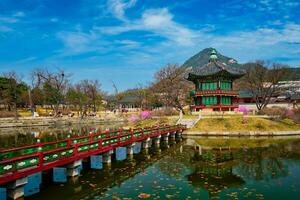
<point x="23" y="161"/>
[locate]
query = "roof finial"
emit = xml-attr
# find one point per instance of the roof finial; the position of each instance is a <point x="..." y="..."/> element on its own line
<point x="213" y="55"/>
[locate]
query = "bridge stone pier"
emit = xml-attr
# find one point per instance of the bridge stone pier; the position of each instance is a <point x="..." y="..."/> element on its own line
<point x="130" y="150"/>
<point x="121" y="153"/>
<point x="179" y="135"/>
<point x="165" y="138"/>
<point x="21" y="168"/>
<point x="15" y="189"/>
<point x="156" y="141"/>
<point x="173" y="136"/>
<point x="146" y="144"/>
<point x="96" y="162"/>
<point x="107" y="157"/>
<point x="74" y="168"/>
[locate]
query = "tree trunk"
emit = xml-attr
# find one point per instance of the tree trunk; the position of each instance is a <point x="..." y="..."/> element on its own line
<point x="16" y="110"/>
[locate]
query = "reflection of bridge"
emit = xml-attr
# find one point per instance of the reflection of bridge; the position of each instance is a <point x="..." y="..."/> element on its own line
<point x="114" y="176"/>
<point x="18" y="163"/>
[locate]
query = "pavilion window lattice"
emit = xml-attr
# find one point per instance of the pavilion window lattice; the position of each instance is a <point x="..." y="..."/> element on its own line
<point x="226" y="100"/>
<point x="207" y="86"/>
<point x="209" y="100"/>
<point x="225" y="85"/>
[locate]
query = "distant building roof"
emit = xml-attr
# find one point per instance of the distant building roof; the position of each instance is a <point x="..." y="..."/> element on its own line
<point x="245" y="94"/>
<point x="295" y="96"/>
<point x="130" y="99"/>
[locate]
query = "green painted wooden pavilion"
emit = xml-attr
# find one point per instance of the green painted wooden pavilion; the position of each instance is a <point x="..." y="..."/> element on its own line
<point x="214" y="83"/>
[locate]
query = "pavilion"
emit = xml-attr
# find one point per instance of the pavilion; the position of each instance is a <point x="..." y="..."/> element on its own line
<point x="214" y="83"/>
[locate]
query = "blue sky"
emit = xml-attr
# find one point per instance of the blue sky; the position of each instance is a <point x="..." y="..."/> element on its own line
<point x="126" y="41"/>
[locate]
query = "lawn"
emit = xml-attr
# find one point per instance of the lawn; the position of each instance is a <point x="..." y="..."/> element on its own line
<point x="237" y="124"/>
<point x="153" y="122"/>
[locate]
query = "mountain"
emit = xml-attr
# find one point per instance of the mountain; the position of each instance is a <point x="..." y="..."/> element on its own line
<point x="202" y="58"/>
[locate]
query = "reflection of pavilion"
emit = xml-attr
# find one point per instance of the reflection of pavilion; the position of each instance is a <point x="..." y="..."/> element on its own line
<point x="213" y="171"/>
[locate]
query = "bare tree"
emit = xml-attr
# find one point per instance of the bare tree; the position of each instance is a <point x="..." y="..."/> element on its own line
<point x="93" y="92"/>
<point x="54" y="85"/>
<point x="262" y="80"/>
<point x="171" y="87"/>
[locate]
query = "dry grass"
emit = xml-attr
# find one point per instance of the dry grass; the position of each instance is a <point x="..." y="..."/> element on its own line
<point x="153" y="122"/>
<point x="250" y="124"/>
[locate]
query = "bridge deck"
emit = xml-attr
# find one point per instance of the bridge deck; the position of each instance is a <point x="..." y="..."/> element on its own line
<point x="23" y="161"/>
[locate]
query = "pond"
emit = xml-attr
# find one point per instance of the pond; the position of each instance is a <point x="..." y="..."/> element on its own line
<point x="16" y="137"/>
<point x="195" y="168"/>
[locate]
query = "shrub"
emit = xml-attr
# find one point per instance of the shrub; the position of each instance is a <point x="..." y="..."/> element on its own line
<point x="293" y="114"/>
<point x="283" y="113"/>
<point x="145" y="115"/>
<point x="243" y="109"/>
<point x="273" y="111"/>
<point x="4" y="114"/>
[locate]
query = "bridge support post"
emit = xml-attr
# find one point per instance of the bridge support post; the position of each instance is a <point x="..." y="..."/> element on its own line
<point x="96" y="162"/>
<point x="121" y="153"/>
<point x="74" y="168"/>
<point x="107" y="157"/>
<point x="130" y="150"/>
<point x="137" y="147"/>
<point x="3" y="193"/>
<point x="146" y="143"/>
<point x="179" y="135"/>
<point x="15" y="189"/>
<point x="166" y="137"/>
<point x="157" y="141"/>
<point x="173" y="136"/>
<point x="59" y="174"/>
<point x="199" y="148"/>
<point x="33" y="184"/>
<point x="166" y="140"/>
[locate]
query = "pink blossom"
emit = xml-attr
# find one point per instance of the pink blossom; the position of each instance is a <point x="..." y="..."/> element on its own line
<point x="243" y="109"/>
<point x="133" y="118"/>
<point x="145" y="115"/>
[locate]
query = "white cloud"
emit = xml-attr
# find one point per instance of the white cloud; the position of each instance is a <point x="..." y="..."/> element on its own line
<point x="19" y="14"/>
<point x="7" y="21"/>
<point x="5" y="29"/>
<point x="158" y="21"/>
<point x="54" y="19"/>
<point x="129" y="44"/>
<point x="261" y="37"/>
<point x="118" y="7"/>
<point x="77" y="42"/>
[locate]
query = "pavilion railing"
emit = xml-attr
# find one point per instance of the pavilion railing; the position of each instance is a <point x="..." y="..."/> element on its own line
<point x="217" y="92"/>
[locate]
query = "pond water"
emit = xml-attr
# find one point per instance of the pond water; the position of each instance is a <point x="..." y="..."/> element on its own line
<point x="195" y="168"/>
<point x="16" y="137"/>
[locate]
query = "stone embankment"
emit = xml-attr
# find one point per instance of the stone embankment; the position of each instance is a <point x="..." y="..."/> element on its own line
<point x="242" y="133"/>
<point x="50" y="121"/>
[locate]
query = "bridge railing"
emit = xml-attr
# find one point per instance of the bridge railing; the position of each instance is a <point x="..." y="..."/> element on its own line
<point x="41" y="154"/>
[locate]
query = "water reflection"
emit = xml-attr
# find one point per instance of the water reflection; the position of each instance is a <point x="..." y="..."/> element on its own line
<point x="194" y="170"/>
<point x="15" y="137"/>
